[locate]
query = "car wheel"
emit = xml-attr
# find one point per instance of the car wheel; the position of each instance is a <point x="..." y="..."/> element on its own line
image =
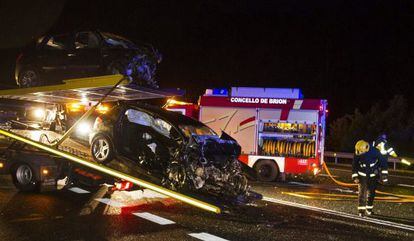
<point x="29" y="78"/>
<point x="102" y="149"/>
<point x="267" y="170"/>
<point x="25" y="178"/>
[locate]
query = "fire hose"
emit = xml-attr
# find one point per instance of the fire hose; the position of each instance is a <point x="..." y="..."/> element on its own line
<point x="344" y="184"/>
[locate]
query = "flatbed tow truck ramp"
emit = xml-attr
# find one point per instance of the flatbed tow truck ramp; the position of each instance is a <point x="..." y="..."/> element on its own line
<point x="48" y="160"/>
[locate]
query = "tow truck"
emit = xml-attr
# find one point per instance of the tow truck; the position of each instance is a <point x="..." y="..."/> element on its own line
<point x="37" y="159"/>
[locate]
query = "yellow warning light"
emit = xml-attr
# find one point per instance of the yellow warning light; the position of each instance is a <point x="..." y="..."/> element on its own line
<point x="45" y="171"/>
<point x="75" y="107"/>
<point x="171" y="101"/>
<point x="1" y="164"/>
<point x="102" y="108"/>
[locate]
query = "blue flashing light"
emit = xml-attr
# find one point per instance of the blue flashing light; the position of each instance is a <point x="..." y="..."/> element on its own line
<point x="220" y="91"/>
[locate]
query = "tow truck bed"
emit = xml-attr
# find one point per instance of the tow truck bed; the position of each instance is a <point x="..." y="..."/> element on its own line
<point x="58" y="154"/>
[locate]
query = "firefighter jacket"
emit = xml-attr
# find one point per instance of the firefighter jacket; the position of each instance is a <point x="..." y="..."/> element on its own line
<point x="370" y="164"/>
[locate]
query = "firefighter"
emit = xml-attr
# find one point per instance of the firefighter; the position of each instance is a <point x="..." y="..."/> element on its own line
<point x="381" y="144"/>
<point x="366" y="167"/>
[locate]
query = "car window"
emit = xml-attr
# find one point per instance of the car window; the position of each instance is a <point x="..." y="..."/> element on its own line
<point x="58" y="42"/>
<point x="86" y="40"/>
<point x="197" y="130"/>
<point x="139" y="117"/>
<point x="142" y="118"/>
<point x="115" y="41"/>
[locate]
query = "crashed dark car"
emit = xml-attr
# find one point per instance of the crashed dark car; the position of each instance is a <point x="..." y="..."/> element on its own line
<point x="83" y="54"/>
<point x="184" y="153"/>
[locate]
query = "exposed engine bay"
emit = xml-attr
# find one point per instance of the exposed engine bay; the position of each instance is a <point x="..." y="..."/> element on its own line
<point x="209" y="164"/>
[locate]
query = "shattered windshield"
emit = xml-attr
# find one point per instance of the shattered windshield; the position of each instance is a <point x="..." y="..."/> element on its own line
<point x="142" y="118"/>
<point x="117" y="41"/>
<point x="192" y="130"/>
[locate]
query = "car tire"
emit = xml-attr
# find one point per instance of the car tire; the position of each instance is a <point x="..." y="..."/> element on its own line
<point x="102" y="149"/>
<point x="25" y="178"/>
<point x="28" y="77"/>
<point x="267" y="170"/>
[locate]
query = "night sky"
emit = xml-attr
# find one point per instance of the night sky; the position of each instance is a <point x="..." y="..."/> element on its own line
<point x="353" y="53"/>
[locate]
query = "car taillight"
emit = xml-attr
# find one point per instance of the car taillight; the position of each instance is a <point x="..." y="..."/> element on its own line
<point x="19" y="57"/>
<point x="98" y="121"/>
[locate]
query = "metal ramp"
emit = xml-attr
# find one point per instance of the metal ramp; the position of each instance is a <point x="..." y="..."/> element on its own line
<point x="84" y="89"/>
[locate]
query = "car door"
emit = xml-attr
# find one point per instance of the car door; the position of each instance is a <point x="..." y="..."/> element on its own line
<point x="54" y="56"/>
<point x="86" y="59"/>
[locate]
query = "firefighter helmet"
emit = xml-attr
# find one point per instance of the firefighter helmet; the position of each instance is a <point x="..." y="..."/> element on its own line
<point x="361" y="147"/>
<point x="381" y="139"/>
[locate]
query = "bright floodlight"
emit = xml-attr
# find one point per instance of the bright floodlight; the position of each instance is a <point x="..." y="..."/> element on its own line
<point x="39" y="113"/>
<point x="83" y="128"/>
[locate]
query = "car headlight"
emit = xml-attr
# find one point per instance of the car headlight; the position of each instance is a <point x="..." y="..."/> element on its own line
<point x="39" y="113"/>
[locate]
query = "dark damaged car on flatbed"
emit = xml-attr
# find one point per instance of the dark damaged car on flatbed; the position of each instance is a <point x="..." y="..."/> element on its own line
<point x="84" y="54"/>
<point x="183" y="153"/>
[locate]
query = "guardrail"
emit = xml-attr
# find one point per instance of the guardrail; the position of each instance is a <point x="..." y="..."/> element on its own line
<point x="346" y="155"/>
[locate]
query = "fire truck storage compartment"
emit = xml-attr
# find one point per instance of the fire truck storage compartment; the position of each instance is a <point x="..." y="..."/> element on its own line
<point x="295" y="137"/>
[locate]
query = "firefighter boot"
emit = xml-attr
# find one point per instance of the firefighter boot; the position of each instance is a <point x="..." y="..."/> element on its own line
<point x="361" y="211"/>
<point x="368" y="210"/>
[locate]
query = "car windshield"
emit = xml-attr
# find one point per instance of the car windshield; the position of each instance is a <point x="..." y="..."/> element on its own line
<point x="116" y="41"/>
<point x="194" y="130"/>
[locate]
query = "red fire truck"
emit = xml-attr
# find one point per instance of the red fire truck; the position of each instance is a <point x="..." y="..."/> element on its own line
<point x="280" y="132"/>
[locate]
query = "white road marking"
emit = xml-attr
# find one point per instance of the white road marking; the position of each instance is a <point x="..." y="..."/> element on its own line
<point x="154" y="218"/>
<point x="405" y="185"/>
<point x="341" y="214"/>
<point x="326" y="175"/>
<point x="78" y="190"/>
<point x="301" y="184"/>
<point x="110" y="202"/>
<point x="206" y="237"/>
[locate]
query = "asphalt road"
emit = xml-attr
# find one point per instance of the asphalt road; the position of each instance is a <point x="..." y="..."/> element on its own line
<point x="313" y="210"/>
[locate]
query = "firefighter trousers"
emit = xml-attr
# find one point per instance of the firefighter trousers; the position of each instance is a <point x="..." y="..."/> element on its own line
<point x="366" y="193"/>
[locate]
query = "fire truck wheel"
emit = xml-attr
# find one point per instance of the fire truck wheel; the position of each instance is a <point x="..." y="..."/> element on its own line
<point x="102" y="149"/>
<point x="25" y="178"/>
<point x="267" y="170"/>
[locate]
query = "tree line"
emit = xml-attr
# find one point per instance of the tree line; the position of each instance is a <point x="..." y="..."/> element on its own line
<point x="394" y="119"/>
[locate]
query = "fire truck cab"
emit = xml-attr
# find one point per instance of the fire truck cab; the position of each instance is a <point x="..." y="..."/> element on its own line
<point x="279" y="131"/>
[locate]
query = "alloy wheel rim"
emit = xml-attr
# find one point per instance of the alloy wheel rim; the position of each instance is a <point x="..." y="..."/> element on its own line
<point x="28" y="78"/>
<point x="101" y="149"/>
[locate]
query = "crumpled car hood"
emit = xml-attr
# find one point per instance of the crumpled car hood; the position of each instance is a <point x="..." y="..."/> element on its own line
<point x="217" y="150"/>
